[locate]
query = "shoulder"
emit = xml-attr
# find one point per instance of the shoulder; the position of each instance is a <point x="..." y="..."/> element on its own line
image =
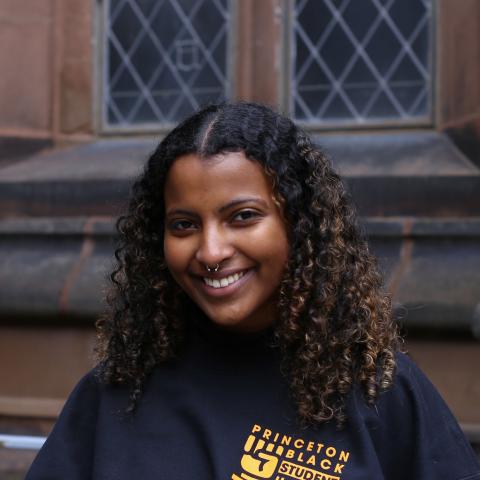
<point x="81" y="405"/>
<point x="89" y="397"/>
<point x="93" y="394"/>
<point x="410" y="382"/>
<point x="408" y="373"/>
<point x="89" y="384"/>
<point x="414" y="392"/>
<point x="411" y="394"/>
<point x="416" y="398"/>
<point x="85" y="393"/>
<point x="412" y="420"/>
<point x="67" y="452"/>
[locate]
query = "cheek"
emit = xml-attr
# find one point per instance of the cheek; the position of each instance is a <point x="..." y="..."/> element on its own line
<point x="275" y="248"/>
<point x="280" y="261"/>
<point x="282" y="255"/>
<point x="175" y="262"/>
<point x="174" y="255"/>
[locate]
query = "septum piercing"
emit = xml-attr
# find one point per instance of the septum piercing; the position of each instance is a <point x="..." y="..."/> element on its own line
<point x="212" y="269"/>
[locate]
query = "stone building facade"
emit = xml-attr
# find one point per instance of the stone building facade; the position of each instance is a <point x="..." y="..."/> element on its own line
<point x="71" y="144"/>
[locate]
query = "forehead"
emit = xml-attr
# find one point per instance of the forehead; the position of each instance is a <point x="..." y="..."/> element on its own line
<point x="197" y="180"/>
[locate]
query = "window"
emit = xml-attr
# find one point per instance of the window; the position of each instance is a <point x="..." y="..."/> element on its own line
<point x="361" y="62"/>
<point x="163" y="59"/>
<point x="348" y="62"/>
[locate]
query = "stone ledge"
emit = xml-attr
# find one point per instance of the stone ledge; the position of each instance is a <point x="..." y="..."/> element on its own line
<point x="400" y="154"/>
<point x="14" y="149"/>
<point x="418" y="196"/>
<point x="412" y="227"/>
<point x="57" y="268"/>
<point x="403" y="173"/>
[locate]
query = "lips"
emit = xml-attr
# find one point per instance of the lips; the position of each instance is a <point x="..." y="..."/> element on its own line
<point x="224" y="281"/>
<point x="222" y="284"/>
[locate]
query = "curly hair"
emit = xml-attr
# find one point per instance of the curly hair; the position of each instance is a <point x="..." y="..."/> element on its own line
<point x="335" y="327"/>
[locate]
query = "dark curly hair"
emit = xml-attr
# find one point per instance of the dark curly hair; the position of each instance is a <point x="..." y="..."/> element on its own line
<point x="335" y="327"/>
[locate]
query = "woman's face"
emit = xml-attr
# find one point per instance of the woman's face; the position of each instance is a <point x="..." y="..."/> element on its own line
<point x="221" y="210"/>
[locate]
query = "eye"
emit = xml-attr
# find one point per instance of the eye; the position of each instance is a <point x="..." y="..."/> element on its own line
<point x="181" y="225"/>
<point x="246" y="215"/>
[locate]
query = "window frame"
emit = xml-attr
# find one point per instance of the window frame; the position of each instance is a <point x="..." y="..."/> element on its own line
<point x="285" y="87"/>
<point x="448" y="105"/>
<point x="101" y="124"/>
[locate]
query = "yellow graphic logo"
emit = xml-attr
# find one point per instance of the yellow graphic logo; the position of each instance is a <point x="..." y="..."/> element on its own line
<point x="276" y="456"/>
<point x="260" y="459"/>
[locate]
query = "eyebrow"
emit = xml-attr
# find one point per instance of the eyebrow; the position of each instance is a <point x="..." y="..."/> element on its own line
<point x="239" y="201"/>
<point x="223" y="208"/>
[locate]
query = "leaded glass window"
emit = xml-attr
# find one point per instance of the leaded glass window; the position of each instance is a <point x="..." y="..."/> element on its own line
<point x="361" y="61"/>
<point x="163" y="59"/>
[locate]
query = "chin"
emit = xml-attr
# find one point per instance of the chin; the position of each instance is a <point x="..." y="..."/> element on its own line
<point x="241" y="325"/>
<point x="227" y="322"/>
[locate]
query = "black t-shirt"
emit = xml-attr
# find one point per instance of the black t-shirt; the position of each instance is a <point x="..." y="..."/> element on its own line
<point x="222" y="411"/>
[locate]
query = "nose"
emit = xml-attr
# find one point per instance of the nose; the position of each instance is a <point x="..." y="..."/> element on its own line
<point x="215" y="246"/>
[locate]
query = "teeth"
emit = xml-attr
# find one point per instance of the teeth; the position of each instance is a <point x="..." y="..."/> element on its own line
<point x="223" y="282"/>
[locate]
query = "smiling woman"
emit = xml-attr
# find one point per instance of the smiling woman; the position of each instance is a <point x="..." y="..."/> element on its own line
<point x="221" y="211"/>
<point x="248" y="335"/>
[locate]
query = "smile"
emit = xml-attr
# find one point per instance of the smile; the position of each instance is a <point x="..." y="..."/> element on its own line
<point x="223" y="282"/>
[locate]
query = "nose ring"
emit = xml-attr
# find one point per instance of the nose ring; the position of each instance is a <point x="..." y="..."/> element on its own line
<point x="212" y="269"/>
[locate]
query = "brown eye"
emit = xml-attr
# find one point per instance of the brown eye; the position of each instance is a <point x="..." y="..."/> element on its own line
<point x="181" y="225"/>
<point x="246" y="215"/>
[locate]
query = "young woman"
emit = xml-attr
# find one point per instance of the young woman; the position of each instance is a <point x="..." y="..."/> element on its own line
<point x="248" y="336"/>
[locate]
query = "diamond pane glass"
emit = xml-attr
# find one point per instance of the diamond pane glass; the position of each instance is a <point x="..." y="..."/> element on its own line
<point x="361" y="61"/>
<point x="164" y="59"/>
